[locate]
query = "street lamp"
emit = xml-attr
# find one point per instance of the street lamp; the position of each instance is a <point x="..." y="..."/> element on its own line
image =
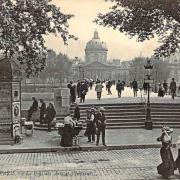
<point x="148" y="67"/>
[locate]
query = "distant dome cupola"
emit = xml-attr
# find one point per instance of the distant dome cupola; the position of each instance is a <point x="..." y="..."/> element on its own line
<point x="96" y="50"/>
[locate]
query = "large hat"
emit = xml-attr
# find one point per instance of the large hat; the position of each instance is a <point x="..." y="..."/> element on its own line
<point x="101" y="109"/>
<point x="167" y="129"/>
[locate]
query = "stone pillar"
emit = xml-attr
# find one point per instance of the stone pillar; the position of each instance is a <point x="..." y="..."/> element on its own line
<point x="62" y="101"/>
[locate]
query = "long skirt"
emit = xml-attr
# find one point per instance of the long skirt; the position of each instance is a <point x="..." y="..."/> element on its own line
<point x="90" y="129"/>
<point x="178" y="161"/>
<point x="166" y="168"/>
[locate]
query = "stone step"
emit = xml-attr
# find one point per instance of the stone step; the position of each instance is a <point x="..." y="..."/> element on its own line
<point x="6" y="141"/>
<point x="166" y="123"/>
<point x="115" y="110"/>
<point x="111" y="107"/>
<point x="165" y="119"/>
<point x="124" y="123"/>
<point x="165" y="116"/>
<point x="160" y="126"/>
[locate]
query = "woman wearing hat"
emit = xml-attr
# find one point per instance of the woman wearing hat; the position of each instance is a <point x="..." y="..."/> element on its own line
<point x="178" y="158"/>
<point x="167" y="167"/>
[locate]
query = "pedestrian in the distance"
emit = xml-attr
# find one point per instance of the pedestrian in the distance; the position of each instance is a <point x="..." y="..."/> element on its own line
<point x="167" y="167"/>
<point x="119" y="88"/>
<point x="109" y="84"/>
<point x="135" y="87"/>
<point x="42" y="111"/>
<point x="178" y="157"/>
<point x="50" y="115"/>
<point x="72" y="88"/>
<point x="98" y="89"/>
<point x="83" y="91"/>
<point x="77" y="114"/>
<point x="165" y="86"/>
<point x="172" y="88"/>
<point x="100" y="121"/>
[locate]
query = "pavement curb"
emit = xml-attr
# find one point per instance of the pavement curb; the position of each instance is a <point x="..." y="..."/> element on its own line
<point x="80" y="148"/>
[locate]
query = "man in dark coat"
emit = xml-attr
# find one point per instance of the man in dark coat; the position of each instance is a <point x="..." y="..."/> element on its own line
<point x="83" y="91"/>
<point x="72" y="91"/>
<point x="50" y="115"/>
<point x="173" y="88"/>
<point x="135" y="87"/>
<point x="42" y="111"/>
<point x="119" y="88"/>
<point x="33" y="108"/>
<point x="77" y="112"/>
<point x="100" y="121"/>
<point x="165" y="86"/>
<point x="78" y="88"/>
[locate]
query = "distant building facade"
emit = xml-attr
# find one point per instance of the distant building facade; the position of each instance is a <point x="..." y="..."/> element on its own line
<point x="96" y="65"/>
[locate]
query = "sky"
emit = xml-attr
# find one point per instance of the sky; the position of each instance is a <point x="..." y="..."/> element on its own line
<point x="82" y="26"/>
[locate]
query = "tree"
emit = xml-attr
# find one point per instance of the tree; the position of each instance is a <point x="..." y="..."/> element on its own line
<point x="145" y="19"/>
<point x="160" y="71"/>
<point x="57" y="68"/>
<point x="24" y="24"/>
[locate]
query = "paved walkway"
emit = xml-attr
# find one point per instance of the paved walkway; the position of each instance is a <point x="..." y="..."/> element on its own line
<point x="133" y="164"/>
<point x="127" y="97"/>
<point x="115" y="137"/>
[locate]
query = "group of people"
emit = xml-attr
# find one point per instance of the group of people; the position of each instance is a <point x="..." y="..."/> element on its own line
<point x="47" y="114"/>
<point x="96" y="125"/>
<point x="168" y="165"/>
<point x="163" y="88"/>
<point x="79" y="90"/>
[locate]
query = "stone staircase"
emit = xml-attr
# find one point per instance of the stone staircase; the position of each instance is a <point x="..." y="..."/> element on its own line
<point x="133" y="115"/>
<point x="118" y="115"/>
<point x="165" y="114"/>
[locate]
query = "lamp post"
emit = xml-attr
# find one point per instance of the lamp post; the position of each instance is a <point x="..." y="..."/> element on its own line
<point x="148" y="80"/>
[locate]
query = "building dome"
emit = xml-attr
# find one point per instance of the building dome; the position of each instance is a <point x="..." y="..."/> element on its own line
<point x="96" y="44"/>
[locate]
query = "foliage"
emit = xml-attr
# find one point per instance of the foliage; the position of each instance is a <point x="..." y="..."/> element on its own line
<point x="145" y="19"/>
<point x="24" y="24"/>
<point x="57" y="67"/>
<point x="160" y="71"/>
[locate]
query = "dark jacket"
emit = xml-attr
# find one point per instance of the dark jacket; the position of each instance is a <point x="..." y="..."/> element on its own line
<point x="34" y="105"/>
<point x="173" y="86"/>
<point x="134" y="85"/>
<point x="100" y="119"/>
<point x="77" y="112"/>
<point x="43" y="108"/>
<point x="119" y="86"/>
<point x="50" y="114"/>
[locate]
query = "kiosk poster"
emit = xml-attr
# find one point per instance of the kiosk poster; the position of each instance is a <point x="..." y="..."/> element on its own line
<point x="16" y="92"/>
<point x="16" y="111"/>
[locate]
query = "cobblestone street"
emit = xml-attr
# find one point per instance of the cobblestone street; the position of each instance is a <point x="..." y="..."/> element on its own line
<point x="106" y="165"/>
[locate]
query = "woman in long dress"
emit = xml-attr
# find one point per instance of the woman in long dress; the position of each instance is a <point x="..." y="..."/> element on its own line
<point x="167" y="167"/>
<point x="178" y="157"/>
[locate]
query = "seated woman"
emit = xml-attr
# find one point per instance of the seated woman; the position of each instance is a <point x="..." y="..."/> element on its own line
<point x="167" y="167"/>
<point x="68" y="132"/>
<point x="178" y="157"/>
<point x="161" y="91"/>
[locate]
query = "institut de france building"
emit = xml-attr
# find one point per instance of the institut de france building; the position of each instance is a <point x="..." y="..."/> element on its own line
<point x="96" y="66"/>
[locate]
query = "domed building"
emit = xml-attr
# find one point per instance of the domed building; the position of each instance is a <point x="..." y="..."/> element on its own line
<point x="96" y="65"/>
<point x="96" y="51"/>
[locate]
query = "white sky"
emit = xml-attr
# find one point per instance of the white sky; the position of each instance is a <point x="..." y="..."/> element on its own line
<point x="85" y="11"/>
